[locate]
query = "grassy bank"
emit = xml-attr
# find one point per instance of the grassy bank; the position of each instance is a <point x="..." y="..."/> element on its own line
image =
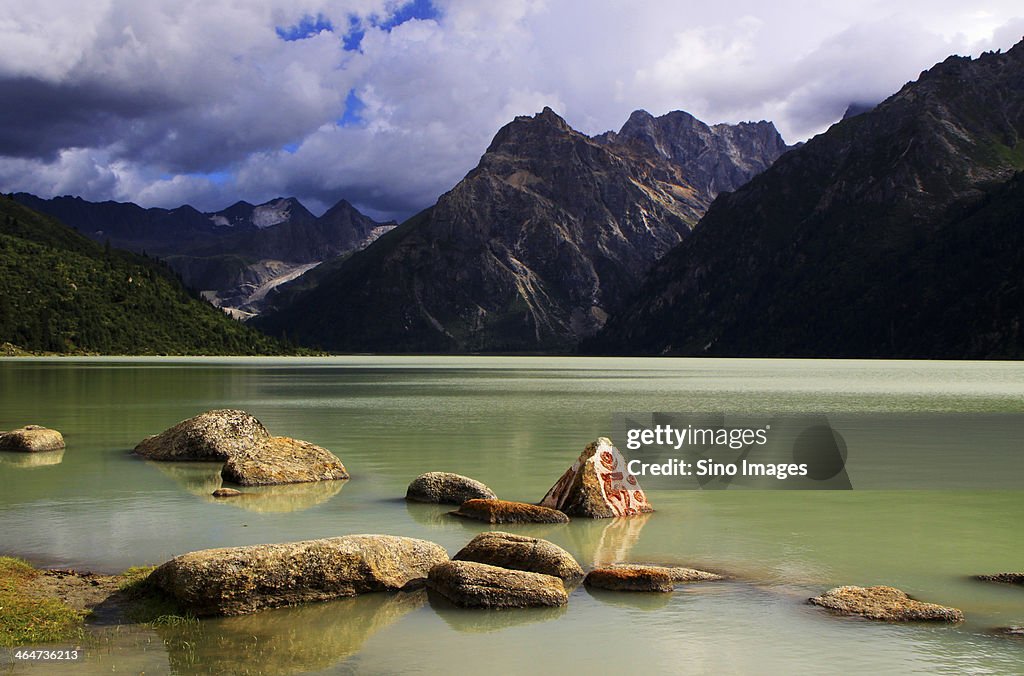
<point x="28" y="618"/>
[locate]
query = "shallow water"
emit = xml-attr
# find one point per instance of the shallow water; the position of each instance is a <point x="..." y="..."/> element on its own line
<point x="930" y="506"/>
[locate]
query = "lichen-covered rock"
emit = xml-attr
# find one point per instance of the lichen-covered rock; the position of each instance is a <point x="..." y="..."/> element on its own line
<point x="598" y="486"/>
<point x="281" y="460"/>
<point x="520" y="552"/>
<point x="677" y="574"/>
<point x="31" y="439"/>
<point x="478" y="585"/>
<point x="884" y="603"/>
<point x="630" y="579"/>
<point x="504" y="511"/>
<point x="445" y="487"/>
<point x="251" y="455"/>
<point x="239" y="580"/>
<point x="213" y="435"/>
<point x="1006" y="578"/>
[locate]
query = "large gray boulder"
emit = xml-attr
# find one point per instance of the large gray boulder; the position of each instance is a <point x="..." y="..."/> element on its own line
<point x="506" y="511"/>
<point x="478" y="585"/>
<point x="251" y="455"/>
<point x="884" y="603"/>
<point x="31" y="439"/>
<point x="239" y="580"/>
<point x="521" y="552"/>
<point x="445" y="487"/>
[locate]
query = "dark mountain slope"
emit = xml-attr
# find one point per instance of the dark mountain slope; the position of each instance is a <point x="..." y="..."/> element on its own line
<point x="896" y="234"/>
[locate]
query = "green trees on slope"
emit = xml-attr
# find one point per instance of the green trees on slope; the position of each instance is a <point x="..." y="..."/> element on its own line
<point x="60" y="292"/>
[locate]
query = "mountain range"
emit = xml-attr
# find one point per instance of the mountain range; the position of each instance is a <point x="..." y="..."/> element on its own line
<point x="537" y="245"/>
<point x="895" y="233"/>
<point x="234" y="256"/>
<point x="61" y="292"/>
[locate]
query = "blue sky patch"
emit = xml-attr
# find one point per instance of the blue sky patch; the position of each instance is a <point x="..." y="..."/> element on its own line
<point x="307" y="27"/>
<point x="353" y="114"/>
<point x="354" y="36"/>
<point x="215" y="177"/>
<point x="417" y="9"/>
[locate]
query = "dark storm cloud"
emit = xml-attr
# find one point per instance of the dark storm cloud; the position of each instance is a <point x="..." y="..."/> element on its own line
<point x="40" y="118"/>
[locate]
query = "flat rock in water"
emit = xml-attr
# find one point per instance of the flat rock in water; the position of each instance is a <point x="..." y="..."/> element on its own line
<point x="884" y="603"/>
<point x="226" y="493"/>
<point x="31" y="439"/>
<point x="251" y="455"/>
<point x="597" y="486"/>
<point x="239" y="580"/>
<point x="520" y="552"/>
<point x="677" y="574"/>
<point x="477" y="585"/>
<point x="1006" y="578"/>
<point x="635" y="578"/>
<point x="1013" y="632"/>
<point x="445" y="487"/>
<point x="504" y="511"/>
<point x="281" y="460"/>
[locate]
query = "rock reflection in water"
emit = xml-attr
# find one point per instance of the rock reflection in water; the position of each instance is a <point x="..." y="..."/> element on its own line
<point x="285" y="640"/>
<point x="631" y="599"/>
<point x="483" y="620"/>
<point x="29" y="460"/>
<point x="435" y="516"/>
<point x="203" y="478"/>
<point x="603" y="542"/>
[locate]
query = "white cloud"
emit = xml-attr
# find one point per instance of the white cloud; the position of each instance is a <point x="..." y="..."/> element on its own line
<point x="137" y="101"/>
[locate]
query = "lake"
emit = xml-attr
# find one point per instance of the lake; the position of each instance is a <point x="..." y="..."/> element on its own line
<point x="929" y="507"/>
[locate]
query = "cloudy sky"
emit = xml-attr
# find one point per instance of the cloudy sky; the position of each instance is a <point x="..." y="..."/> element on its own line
<point x="389" y="103"/>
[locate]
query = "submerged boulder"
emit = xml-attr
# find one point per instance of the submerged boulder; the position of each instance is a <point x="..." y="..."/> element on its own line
<point x="31" y="439"/>
<point x="477" y="585"/>
<point x="251" y="455"/>
<point x="520" y="552"/>
<point x="884" y="603"/>
<point x="636" y="578"/>
<point x="1005" y="578"/>
<point x="505" y="511"/>
<point x="226" y="493"/>
<point x="677" y="574"/>
<point x="445" y="487"/>
<point x="598" y="486"/>
<point x="239" y="580"/>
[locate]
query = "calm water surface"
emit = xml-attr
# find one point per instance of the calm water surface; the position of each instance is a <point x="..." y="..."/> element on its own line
<point x="934" y="513"/>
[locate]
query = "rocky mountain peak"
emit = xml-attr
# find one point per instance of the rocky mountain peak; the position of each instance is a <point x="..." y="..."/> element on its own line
<point x="526" y="130"/>
<point x="714" y="159"/>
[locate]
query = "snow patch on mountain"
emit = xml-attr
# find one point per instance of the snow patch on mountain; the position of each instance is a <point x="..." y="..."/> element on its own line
<point x="374" y="233"/>
<point x="271" y="213"/>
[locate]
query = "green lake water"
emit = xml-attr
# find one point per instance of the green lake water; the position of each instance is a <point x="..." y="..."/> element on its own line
<point x="928" y="509"/>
